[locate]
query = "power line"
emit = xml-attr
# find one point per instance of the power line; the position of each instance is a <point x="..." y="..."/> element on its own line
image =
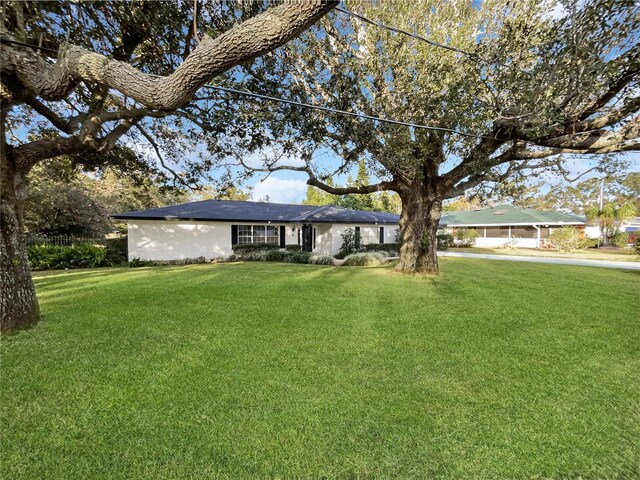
<point x="29" y="45"/>
<point x="301" y="104"/>
<point x="405" y="32"/>
<point x="343" y="112"/>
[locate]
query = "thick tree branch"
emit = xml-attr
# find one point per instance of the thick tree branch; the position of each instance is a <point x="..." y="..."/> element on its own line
<point x="375" y="187"/>
<point x="211" y="57"/>
<point x="57" y="121"/>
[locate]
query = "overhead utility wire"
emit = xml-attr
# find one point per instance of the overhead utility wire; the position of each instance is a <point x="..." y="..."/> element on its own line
<point x="300" y="104"/>
<point x="343" y="112"/>
<point x="405" y="32"/>
<point x="29" y="45"/>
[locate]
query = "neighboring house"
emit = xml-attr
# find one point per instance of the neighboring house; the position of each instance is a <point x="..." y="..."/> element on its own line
<point x="631" y="225"/>
<point x="506" y="224"/>
<point x="211" y="228"/>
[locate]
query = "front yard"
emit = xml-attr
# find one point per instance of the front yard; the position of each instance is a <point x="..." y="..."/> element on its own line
<point x="261" y="370"/>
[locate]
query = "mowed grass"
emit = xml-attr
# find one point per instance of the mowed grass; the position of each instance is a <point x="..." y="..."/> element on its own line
<point x="494" y="370"/>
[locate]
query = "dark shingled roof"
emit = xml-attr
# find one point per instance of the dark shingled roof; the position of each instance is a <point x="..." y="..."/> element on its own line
<point x="236" y="211"/>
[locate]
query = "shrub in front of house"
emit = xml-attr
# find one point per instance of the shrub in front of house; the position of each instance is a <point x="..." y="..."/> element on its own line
<point x="365" y="259"/>
<point x="351" y="243"/>
<point x="445" y="241"/>
<point x="293" y="248"/>
<point x="565" y="239"/>
<point x="321" y="260"/>
<point x="636" y="245"/>
<point x="283" y="256"/>
<point x="389" y="249"/>
<point x="116" y="250"/>
<point x="619" y="239"/>
<point x="252" y="247"/>
<point x="466" y="237"/>
<point x="55" y="257"/>
<point x="137" y="262"/>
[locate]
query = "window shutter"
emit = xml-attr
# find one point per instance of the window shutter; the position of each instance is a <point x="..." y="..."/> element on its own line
<point x="381" y="235"/>
<point x="282" y="236"/>
<point x="358" y="238"/>
<point x="234" y="235"/>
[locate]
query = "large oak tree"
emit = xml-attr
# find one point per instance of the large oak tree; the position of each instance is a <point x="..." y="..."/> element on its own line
<point x="516" y="84"/>
<point x="104" y="71"/>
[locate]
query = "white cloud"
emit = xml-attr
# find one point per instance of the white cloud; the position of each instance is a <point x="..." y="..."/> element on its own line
<point x="280" y="190"/>
<point x="257" y="159"/>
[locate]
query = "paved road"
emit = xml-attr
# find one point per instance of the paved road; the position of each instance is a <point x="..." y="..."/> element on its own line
<point x="560" y="261"/>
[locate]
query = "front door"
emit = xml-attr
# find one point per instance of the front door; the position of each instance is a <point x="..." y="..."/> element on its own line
<point x="307" y="238"/>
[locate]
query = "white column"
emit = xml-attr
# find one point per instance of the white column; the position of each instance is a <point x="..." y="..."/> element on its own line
<point x="537" y="227"/>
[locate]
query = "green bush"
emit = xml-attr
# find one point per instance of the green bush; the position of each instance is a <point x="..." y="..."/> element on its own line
<point x="565" y="239"/>
<point x="297" y="257"/>
<point x="351" y="243"/>
<point x="636" y="245"/>
<point x="619" y="239"/>
<point x="55" y="257"/>
<point x="364" y="259"/>
<point x="390" y="249"/>
<point x="293" y="248"/>
<point x="466" y="237"/>
<point x="252" y="247"/>
<point x="284" y="256"/>
<point x="321" y="260"/>
<point x="136" y="262"/>
<point x="445" y="241"/>
<point x="274" y="255"/>
<point x="589" y="243"/>
<point x="116" y="250"/>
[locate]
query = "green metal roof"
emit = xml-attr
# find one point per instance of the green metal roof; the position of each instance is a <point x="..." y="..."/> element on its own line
<point x="508" y="215"/>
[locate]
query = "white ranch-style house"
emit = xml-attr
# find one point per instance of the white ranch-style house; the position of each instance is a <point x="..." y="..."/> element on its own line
<point x="210" y="228"/>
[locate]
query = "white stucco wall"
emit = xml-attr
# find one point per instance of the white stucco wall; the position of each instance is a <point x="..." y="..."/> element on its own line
<point x="592" y="231"/>
<point x="367" y="231"/>
<point x="177" y="240"/>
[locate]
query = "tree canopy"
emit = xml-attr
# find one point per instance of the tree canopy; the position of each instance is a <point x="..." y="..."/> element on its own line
<point x="500" y="89"/>
<point x="92" y="80"/>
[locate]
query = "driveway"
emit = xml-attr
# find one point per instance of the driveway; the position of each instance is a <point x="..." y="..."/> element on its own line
<point x="557" y="261"/>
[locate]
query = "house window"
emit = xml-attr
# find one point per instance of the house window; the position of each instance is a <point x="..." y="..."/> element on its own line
<point x="258" y="234"/>
<point x="368" y="235"/>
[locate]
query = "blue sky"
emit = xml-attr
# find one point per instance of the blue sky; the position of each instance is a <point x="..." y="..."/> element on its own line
<point x="291" y="187"/>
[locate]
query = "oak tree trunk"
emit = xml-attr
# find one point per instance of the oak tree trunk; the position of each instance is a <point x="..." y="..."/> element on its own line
<point x="419" y="222"/>
<point x="18" y="302"/>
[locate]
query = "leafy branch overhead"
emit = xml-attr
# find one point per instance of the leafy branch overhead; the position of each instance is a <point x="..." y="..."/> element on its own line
<point x="90" y="79"/>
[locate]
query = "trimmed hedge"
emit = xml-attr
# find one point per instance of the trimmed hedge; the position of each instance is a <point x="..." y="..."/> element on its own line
<point x="55" y="257"/>
<point x="365" y="259"/>
<point x="136" y="262"/>
<point x="293" y="248"/>
<point x="252" y="247"/>
<point x="283" y="256"/>
<point x="392" y="249"/>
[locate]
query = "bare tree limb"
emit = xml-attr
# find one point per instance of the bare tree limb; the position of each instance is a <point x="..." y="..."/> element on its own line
<point x="156" y="148"/>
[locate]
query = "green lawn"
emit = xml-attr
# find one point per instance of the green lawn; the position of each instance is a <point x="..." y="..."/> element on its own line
<point x="494" y="370"/>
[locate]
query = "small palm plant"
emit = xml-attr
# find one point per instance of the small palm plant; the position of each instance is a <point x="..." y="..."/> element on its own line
<point x="608" y="215"/>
